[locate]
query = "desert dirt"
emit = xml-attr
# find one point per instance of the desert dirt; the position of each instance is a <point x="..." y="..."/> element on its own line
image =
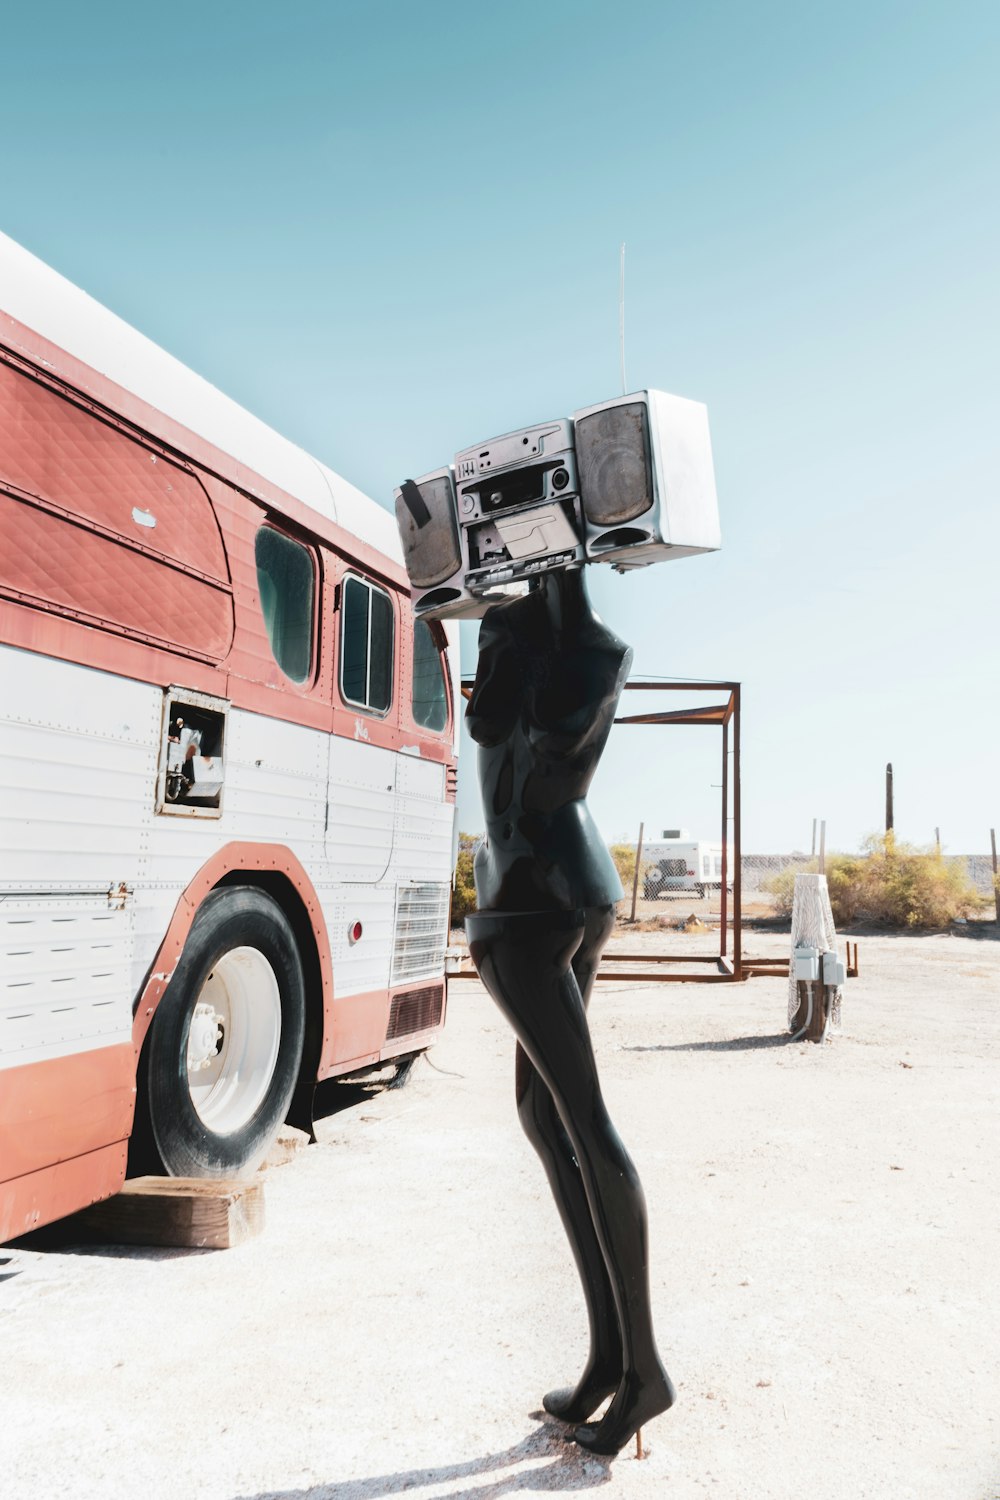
<point x="823" y="1225"/>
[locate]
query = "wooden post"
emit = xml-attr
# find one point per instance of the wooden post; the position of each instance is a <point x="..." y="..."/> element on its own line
<point x="888" y="798"/>
<point x="812" y="851"/>
<point x="996" y="886"/>
<point x="937" y="842"/>
<point x="635" y="873"/>
<point x="822" y="847"/>
<point x="818" y="1020"/>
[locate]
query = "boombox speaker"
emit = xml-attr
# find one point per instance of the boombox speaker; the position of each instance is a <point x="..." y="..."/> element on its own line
<point x="647" y="485"/>
<point x="434" y="548"/>
<point x="428" y="528"/>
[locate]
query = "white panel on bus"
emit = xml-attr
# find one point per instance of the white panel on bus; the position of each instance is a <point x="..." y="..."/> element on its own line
<point x="424" y="820"/>
<point x="361" y="810"/>
<point x="64" y="976"/>
<point x="78" y="749"/>
<point x="276" y="784"/>
<point x="360" y="966"/>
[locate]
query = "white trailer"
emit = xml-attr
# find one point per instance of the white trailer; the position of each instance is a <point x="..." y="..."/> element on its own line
<point x="677" y="863"/>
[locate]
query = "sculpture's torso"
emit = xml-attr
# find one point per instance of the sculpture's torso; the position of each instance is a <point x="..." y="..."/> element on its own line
<point x="550" y="675"/>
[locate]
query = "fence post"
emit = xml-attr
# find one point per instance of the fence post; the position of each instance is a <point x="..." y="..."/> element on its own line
<point x="996" y="885"/>
<point x="635" y="874"/>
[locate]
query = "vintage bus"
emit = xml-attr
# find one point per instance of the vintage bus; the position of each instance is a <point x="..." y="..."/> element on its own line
<point x="227" y="769"/>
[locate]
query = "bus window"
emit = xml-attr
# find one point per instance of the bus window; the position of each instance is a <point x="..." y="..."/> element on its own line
<point x="285" y="581"/>
<point x="430" y="698"/>
<point x="366" y="646"/>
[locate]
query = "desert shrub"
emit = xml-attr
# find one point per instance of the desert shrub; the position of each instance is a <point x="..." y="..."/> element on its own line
<point x="782" y="887"/>
<point x="889" y="882"/>
<point x="463" y="895"/>
<point x="900" y="885"/>
<point x="624" y="858"/>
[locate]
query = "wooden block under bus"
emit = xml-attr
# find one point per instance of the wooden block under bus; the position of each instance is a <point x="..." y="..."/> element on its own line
<point x="187" y="1212"/>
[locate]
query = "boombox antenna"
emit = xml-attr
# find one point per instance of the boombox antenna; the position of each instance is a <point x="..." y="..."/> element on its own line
<point x="621" y="316"/>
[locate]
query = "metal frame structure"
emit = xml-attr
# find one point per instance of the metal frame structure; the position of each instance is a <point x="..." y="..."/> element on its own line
<point x="723" y="967"/>
<point x="727" y="966"/>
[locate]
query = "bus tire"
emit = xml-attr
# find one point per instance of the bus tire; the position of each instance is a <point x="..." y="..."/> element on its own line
<point x="226" y="1042"/>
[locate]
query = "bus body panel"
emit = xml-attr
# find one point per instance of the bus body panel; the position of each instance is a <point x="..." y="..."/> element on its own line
<point x="60" y="1189"/>
<point x="131" y="497"/>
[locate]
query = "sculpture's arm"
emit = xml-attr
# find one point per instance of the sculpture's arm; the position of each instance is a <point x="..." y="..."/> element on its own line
<point x="498" y="690"/>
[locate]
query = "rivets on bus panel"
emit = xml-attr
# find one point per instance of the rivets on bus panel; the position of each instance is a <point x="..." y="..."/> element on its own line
<point x="354" y="932"/>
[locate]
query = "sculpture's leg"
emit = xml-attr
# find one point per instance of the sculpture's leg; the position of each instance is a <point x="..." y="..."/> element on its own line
<point x="544" y="1129"/>
<point x="524" y="961"/>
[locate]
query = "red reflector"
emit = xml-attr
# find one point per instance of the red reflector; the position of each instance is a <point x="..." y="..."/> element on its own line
<point x="354" y="932"/>
<point x="690" y="872"/>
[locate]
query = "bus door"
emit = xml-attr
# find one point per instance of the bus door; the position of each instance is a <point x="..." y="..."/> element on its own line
<point x="361" y="795"/>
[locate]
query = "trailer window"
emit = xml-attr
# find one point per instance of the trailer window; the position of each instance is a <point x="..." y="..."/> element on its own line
<point x="430" y="698"/>
<point x="286" y="584"/>
<point x="366" y="646"/>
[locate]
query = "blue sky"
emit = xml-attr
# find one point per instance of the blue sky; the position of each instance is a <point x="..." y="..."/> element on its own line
<point x="392" y="230"/>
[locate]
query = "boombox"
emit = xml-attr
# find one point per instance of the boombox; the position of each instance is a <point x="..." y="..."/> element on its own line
<point x="629" y="482"/>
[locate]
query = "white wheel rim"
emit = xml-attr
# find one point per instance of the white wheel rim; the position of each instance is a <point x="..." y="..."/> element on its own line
<point x="233" y="1037"/>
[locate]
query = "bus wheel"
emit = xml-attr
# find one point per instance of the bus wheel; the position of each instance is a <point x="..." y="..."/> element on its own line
<point x="226" y="1042"/>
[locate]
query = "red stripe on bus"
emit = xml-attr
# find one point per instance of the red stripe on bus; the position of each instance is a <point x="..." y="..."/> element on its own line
<point x="62" y="1107"/>
<point x="52" y="1192"/>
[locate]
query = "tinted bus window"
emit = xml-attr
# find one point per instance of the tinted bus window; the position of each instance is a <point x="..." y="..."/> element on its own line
<point x="366" y="646"/>
<point x="430" y="698"/>
<point x="285" y="582"/>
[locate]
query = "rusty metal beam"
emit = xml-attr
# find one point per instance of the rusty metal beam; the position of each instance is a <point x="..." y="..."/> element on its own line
<point x="737" y="839"/>
<point x="660" y="958"/>
<point x="629" y="978"/>
<point x="679" y="686"/>
<point x="716" y="714"/>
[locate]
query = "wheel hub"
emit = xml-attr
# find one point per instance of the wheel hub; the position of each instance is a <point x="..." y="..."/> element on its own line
<point x="233" y="1039"/>
<point x="204" y="1038"/>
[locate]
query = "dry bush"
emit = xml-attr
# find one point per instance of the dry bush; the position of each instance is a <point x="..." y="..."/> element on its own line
<point x="890" y="883"/>
<point x="782" y="887"/>
<point x="900" y="886"/>
<point x="624" y="858"/>
<point x="463" y="895"/>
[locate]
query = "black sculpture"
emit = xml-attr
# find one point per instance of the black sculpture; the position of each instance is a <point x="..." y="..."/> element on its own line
<point x="549" y="678"/>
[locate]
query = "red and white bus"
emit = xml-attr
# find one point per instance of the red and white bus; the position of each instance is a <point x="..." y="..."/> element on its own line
<point x="227" y="768"/>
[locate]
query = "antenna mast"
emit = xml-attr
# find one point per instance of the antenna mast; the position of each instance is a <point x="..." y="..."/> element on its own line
<point x="621" y="316"/>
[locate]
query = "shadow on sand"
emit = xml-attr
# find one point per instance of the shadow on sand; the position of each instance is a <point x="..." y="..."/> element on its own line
<point x="724" y="1044"/>
<point x="568" y="1469"/>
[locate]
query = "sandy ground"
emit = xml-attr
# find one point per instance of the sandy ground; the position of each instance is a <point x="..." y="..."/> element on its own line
<point x="824" y="1248"/>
